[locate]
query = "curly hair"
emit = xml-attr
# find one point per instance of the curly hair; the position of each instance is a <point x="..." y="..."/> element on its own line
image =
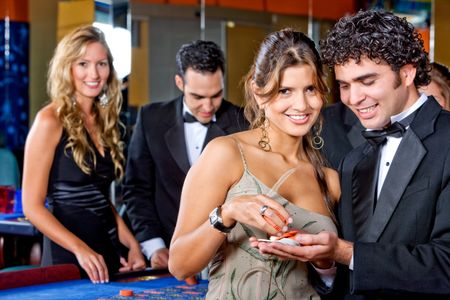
<point x="279" y="51"/>
<point x="61" y="89"/>
<point x="380" y="36"/>
<point x="202" y="56"/>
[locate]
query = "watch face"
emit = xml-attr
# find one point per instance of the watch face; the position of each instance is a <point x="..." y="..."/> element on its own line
<point x="216" y="221"/>
<point x="213" y="217"/>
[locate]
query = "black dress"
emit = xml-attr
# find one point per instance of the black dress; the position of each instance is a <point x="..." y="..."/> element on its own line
<point x="81" y="203"/>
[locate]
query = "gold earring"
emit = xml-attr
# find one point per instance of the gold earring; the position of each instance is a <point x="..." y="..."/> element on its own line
<point x="317" y="141"/>
<point x="264" y="141"/>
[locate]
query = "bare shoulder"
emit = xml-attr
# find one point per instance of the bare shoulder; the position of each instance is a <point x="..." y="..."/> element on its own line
<point x="223" y="148"/>
<point x="47" y="125"/>
<point x="222" y="153"/>
<point x="332" y="178"/>
<point x="47" y="118"/>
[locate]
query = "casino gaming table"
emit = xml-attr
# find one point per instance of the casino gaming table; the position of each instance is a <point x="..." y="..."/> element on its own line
<point x="15" y="223"/>
<point x="161" y="287"/>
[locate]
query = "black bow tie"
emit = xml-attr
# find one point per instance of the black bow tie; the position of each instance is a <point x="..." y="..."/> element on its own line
<point x="377" y="137"/>
<point x="188" y="118"/>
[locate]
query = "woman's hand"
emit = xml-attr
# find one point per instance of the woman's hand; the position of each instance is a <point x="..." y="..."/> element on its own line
<point x="93" y="263"/>
<point x="259" y="211"/>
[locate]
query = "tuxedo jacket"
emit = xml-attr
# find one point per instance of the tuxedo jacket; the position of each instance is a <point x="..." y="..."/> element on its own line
<point x="404" y="250"/>
<point x="158" y="162"/>
<point x="341" y="133"/>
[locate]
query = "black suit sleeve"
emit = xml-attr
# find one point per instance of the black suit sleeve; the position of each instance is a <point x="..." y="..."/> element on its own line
<point x="139" y="183"/>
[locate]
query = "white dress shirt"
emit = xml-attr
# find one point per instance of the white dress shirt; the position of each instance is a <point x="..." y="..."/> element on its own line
<point x="389" y="149"/>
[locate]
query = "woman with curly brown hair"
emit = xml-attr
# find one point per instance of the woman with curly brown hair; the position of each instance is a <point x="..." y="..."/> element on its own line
<point x="72" y="154"/>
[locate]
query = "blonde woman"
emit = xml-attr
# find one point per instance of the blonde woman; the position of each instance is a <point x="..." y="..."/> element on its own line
<point x="272" y="179"/>
<point x="72" y="154"/>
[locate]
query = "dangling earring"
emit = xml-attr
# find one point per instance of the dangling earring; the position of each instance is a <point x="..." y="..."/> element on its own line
<point x="264" y="141"/>
<point x="104" y="99"/>
<point x="317" y="140"/>
<point x="74" y="101"/>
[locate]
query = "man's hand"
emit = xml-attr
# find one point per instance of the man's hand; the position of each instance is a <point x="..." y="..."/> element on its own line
<point x="160" y="259"/>
<point x="134" y="262"/>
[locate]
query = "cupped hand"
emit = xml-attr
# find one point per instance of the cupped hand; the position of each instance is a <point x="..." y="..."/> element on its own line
<point x="93" y="264"/>
<point x="320" y="249"/>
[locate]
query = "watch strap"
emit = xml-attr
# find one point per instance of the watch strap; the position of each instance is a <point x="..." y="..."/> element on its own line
<point x="218" y="223"/>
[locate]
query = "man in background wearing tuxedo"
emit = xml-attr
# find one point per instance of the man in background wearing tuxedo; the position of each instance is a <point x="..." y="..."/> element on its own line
<point x="168" y="139"/>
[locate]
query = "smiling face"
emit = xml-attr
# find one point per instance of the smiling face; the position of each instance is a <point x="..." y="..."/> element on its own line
<point x="374" y="92"/>
<point x="297" y="105"/>
<point x="90" y="72"/>
<point x="202" y="92"/>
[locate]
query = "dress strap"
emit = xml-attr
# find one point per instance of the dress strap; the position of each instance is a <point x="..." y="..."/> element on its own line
<point x="244" y="161"/>
<point x="282" y="179"/>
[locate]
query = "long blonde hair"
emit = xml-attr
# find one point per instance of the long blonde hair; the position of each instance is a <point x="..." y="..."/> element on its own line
<point x="61" y="90"/>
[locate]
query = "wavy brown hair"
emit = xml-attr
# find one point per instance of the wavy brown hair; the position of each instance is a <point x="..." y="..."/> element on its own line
<point x="61" y="90"/>
<point x="279" y="51"/>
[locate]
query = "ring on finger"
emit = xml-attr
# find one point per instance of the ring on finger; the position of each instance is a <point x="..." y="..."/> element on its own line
<point x="263" y="209"/>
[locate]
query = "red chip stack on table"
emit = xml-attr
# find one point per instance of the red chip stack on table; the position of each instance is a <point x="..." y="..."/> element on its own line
<point x="191" y="280"/>
<point x="126" y="293"/>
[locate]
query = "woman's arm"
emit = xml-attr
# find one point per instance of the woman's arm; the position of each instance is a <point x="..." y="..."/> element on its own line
<point x="205" y="188"/>
<point x="39" y="152"/>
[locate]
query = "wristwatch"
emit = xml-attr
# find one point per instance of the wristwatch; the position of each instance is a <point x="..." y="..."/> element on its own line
<point x="216" y="221"/>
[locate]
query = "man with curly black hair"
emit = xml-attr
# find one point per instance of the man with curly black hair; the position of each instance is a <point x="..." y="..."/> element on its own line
<point x="167" y="140"/>
<point x="394" y="210"/>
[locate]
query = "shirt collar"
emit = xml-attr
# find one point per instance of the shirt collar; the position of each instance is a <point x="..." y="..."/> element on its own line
<point x="397" y="118"/>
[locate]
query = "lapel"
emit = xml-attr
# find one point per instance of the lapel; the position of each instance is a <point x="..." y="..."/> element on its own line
<point x="365" y="175"/>
<point x="213" y="131"/>
<point x="174" y="137"/>
<point x="347" y="171"/>
<point x="407" y="158"/>
<point x="354" y="135"/>
<point x="404" y="165"/>
<point x="219" y="127"/>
